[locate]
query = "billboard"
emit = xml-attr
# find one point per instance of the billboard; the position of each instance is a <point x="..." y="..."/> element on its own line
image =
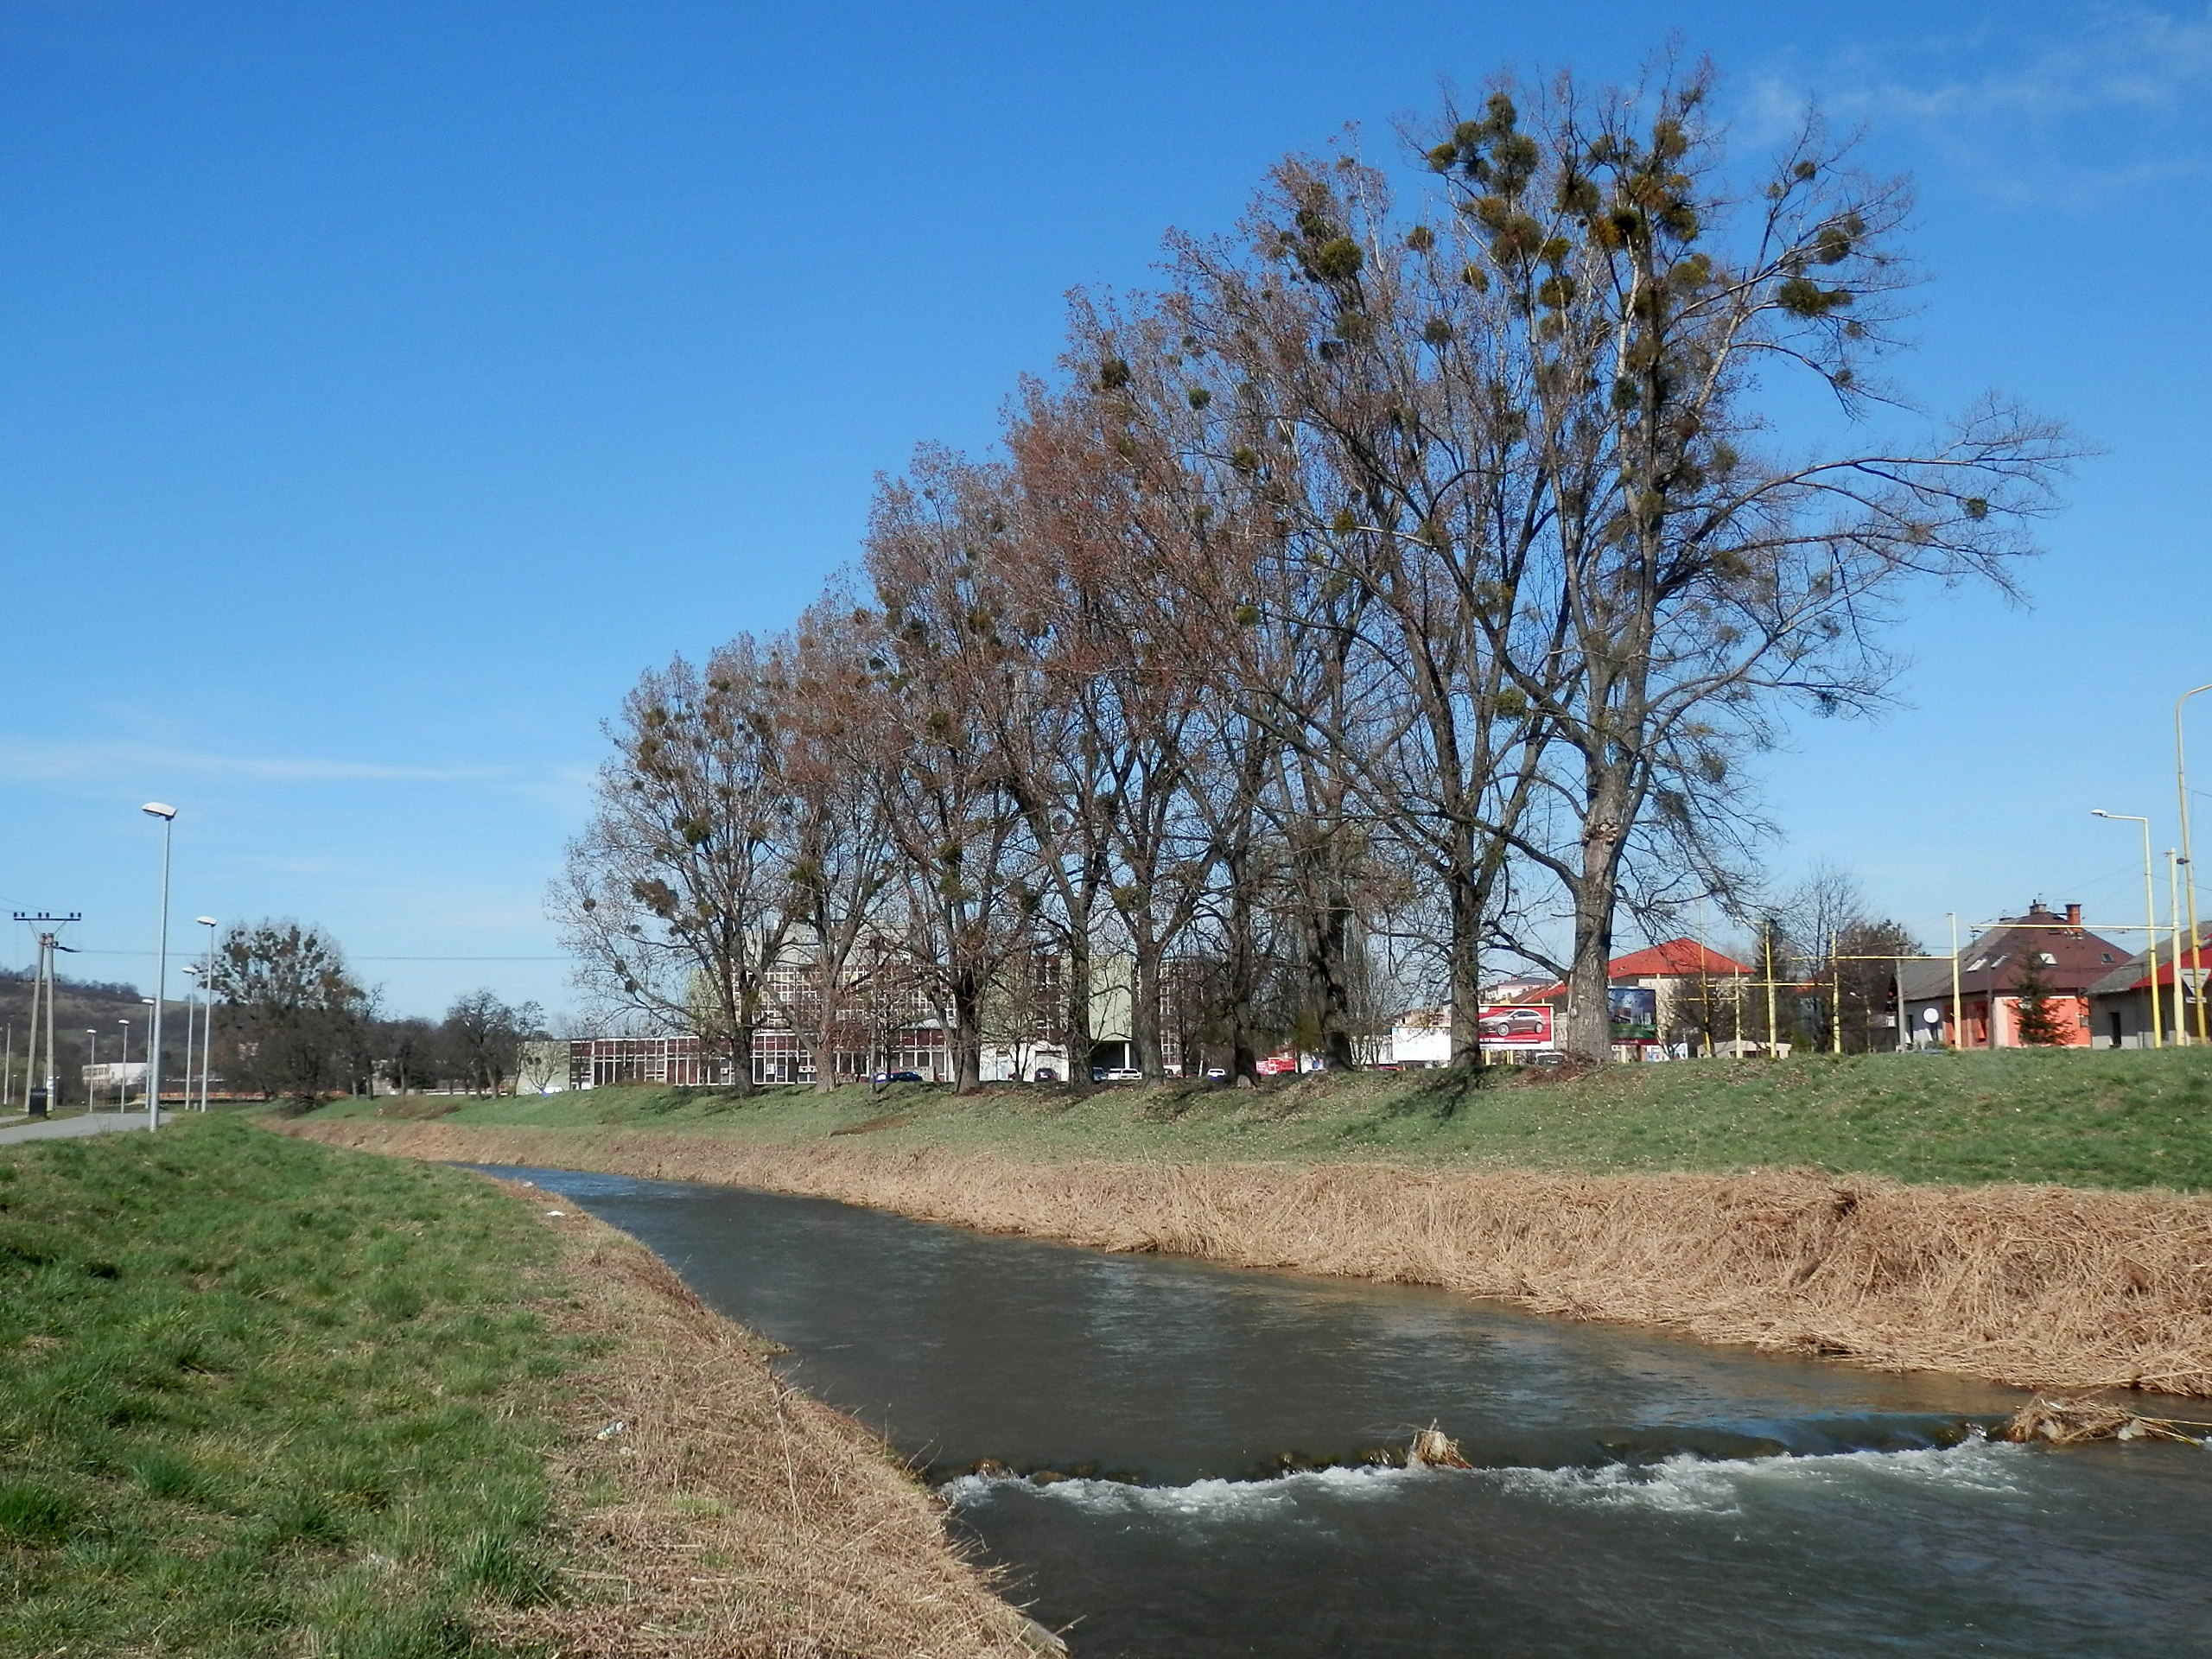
<point x="1635" y="1012"/>
<point x="1516" y="1025"/>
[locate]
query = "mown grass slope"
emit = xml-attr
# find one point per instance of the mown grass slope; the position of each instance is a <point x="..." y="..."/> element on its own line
<point x="2122" y="1119"/>
<point x="261" y="1397"/>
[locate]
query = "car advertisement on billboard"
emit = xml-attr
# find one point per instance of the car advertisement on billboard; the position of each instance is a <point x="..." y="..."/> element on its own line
<point x="1516" y="1026"/>
<point x="1635" y="1011"/>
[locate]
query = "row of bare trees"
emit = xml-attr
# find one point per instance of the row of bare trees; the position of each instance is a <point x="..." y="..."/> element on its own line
<point x="1393" y="594"/>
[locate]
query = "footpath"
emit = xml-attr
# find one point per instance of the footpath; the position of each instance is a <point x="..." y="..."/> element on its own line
<point x="64" y="1128"/>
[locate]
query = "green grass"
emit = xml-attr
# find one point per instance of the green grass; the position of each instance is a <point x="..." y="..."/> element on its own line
<point x="2105" y="1118"/>
<point x="260" y="1397"/>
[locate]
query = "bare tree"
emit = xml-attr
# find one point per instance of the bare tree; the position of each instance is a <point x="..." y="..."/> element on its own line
<point x="676" y="898"/>
<point x="485" y="1036"/>
<point x="840" y="846"/>
<point x="1696" y="576"/>
<point x="938" y="543"/>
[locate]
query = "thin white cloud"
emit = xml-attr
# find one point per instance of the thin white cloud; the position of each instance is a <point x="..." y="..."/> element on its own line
<point x="2066" y="113"/>
<point x="63" y="762"/>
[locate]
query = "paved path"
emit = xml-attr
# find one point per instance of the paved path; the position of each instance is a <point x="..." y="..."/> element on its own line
<point x="86" y="1123"/>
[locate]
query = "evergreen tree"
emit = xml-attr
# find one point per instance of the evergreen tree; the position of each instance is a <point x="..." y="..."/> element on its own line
<point x="2042" y="1023"/>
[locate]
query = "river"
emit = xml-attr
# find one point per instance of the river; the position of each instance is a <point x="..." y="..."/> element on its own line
<point x="1174" y="1459"/>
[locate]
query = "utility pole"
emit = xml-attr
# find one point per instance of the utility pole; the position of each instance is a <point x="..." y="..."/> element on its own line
<point x="48" y="928"/>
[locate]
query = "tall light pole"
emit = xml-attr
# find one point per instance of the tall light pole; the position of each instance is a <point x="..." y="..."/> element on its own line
<point x="92" y="1064"/>
<point x="2150" y="918"/>
<point x="191" y="1029"/>
<point x="123" y="1071"/>
<point x="2180" y="794"/>
<point x="1958" y="1007"/>
<point x="2173" y="920"/>
<point x="207" y="1014"/>
<point x="167" y="814"/>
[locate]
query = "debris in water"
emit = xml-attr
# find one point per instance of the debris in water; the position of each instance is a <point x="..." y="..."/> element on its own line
<point x="1434" y="1449"/>
<point x="2073" y="1422"/>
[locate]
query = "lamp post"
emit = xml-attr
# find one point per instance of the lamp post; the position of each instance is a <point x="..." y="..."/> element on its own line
<point x="92" y="1064"/>
<point x="2173" y="949"/>
<point x="207" y="1014"/>
<point x="2150" y="918"/>
<point x="2181" y="795"/>
<point x="1958" y="1014"/>
<point x="123" y="1071"/>
<point x="190" y="1027"/>
<point x="167" y="814"/>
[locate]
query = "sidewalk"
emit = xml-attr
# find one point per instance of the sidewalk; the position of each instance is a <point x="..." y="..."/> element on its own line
<point x="85" y="1123"/>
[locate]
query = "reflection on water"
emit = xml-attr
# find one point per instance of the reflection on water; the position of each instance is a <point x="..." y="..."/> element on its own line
<point x="1636" y="1494"/>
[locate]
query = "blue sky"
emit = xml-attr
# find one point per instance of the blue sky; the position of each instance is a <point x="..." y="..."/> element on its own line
<point x="382" y="386"/>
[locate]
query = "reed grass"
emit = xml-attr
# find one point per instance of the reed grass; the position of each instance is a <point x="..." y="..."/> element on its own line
<point x="2034" y="1285"/>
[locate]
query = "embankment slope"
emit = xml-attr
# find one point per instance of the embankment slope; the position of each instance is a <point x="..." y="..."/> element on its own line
<point x="2037" y="1285"/>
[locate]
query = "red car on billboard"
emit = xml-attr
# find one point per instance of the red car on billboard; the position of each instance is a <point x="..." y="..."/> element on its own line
<point x="1516" y="1026"/>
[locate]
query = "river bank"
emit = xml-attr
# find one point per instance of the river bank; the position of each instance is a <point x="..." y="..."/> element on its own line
<point x="2101" y="1118"/>
<point x="2030" y="1286"/>
<point x="260" y="1396"/>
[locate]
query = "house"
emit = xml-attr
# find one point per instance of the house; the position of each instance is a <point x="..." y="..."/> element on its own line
<point x="1679" y="995"/>
<point x="2120" y="1003"/>
<point x="1673" y="998"/>
<point x="1697" y="992"/>
<point x="2068" y="957"/>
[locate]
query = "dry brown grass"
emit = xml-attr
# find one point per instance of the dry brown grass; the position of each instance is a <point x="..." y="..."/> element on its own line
<point x="2040" y="1287"/>
<point x="2071" y="1422"/>
<point x="731" y="1515"/>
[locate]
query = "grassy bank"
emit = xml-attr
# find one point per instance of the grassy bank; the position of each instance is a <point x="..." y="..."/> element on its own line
<point x="250" y="1390"/>
<point x="2103" y="1119"/>
<point x="258" y="1396"/>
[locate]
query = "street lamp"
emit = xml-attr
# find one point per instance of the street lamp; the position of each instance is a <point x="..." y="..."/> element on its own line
<point x="92" y="1064"/>
<point x="191" y="1030"/>
<point x="123" y="1071"/>
<point x="2181" y="793"/>
<point x="167" y="814"/>
<point x="2149" y="916"/>
<point x="208" y="1012"/>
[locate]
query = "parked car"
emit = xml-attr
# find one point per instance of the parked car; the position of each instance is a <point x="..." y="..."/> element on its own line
<point x="1044" y="1074"/>
<point x="899" y="1077"/>
<point x="1519" y="1022"/>
<point x="1115" y="1074"/>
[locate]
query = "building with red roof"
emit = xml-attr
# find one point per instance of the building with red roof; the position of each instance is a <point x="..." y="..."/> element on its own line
<point x="1697" y="993"/>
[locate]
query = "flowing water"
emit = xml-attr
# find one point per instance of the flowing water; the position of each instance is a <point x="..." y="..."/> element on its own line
<point x="1176" y="1459"/>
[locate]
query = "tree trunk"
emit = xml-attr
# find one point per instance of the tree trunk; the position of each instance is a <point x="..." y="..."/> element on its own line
<point x="1329" y="982"/>
<point x="967" y="1034"/>
<point x="1604" y="836"/>
<point x="1241" y="970"/>
<point x="1078" y="1015"/>
<point x="1466" y="969"/>
<point x="1144" y="1009"/>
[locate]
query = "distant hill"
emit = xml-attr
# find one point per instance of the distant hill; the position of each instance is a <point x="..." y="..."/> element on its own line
<point x="80" y="1005"/>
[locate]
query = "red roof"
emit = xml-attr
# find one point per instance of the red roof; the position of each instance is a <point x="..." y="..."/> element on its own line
<point x="1678" y="956"/>
<point x="1681" y="958"/>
